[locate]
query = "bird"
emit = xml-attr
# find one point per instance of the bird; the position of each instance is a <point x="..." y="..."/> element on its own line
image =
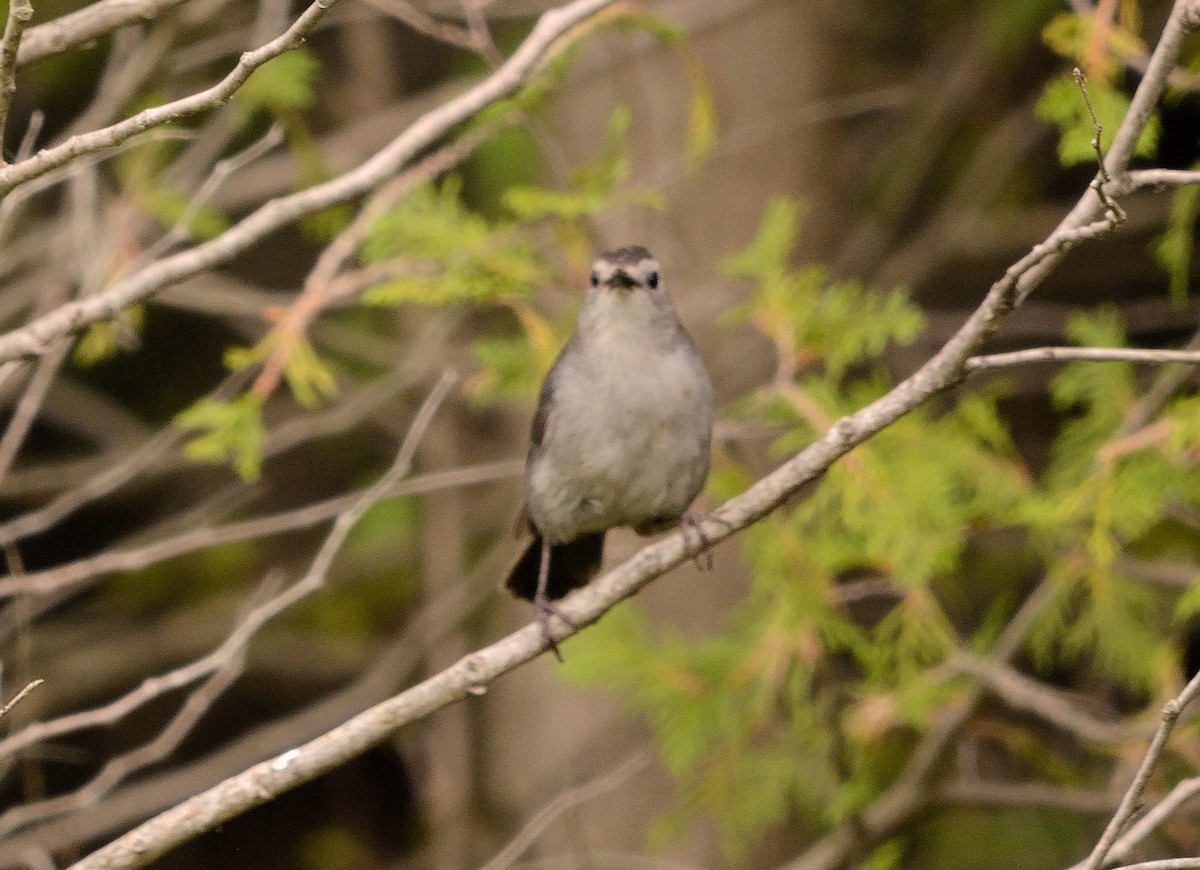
<point x="621" y="435"/>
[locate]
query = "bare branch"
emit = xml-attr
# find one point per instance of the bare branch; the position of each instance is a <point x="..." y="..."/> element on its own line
<point x="1140" y="179"/>
<point x="564" y="803"/>
<point x="1133" y="796"/>
<point x="120" y="768"/>
<point x="219" y="174"/>
<point x="1070" y="354"/>
<point x="424" y="23"/>
<point x="81" y="27"/>
<point x="1023" y="693"/>
<point x="20" y="13"/>
<point x="1165" y="384"/>
<point x="19" y="697"/>
<point x="393" y="666"/>
<point x="52" y="158"/>
<point x="1028" y="794"/>
<point x="1183" y="792"/>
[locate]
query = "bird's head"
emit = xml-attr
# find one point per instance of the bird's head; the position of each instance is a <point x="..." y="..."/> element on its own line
<point x="626" y="270"/>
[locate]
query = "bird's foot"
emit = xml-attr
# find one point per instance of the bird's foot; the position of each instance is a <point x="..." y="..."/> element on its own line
<point x="545" y="609"/>
<point x="692" y="523"/>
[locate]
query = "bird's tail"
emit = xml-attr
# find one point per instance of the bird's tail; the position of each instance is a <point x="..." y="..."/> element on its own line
<point x="571" y="565"/>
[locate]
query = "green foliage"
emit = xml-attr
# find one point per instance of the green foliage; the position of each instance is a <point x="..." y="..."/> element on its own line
<point x="1062" y="104"/>
<point x="307" y="375"/>
<point x="507" y="369"/>
<point x="593" y="186"/>
<point x="1009" y="27"/>
<point x="1174" y="247"/>
<point x="807" y="313"/>
<point x="226" y="432"/>
<point x="103" y="340"/>
<point x="800" y="674"/>
<point x="284" y="84"/>
<point x="140" y="172"/>
<point x="451" y="254"/>
<point x="285" y="88"/>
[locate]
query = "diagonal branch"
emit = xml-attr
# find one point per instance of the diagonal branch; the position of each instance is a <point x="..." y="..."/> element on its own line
<point x="1133" y="796"/>
<point x="52" y="158"/>
<point x="82" y="26"/>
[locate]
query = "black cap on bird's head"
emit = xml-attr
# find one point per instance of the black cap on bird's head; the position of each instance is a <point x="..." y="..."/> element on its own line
<point x="626" y="269"/>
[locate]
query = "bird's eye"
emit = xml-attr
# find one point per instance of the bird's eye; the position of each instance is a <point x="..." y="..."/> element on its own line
<point x="652" y="280"/>
<point x="595" y="279"/>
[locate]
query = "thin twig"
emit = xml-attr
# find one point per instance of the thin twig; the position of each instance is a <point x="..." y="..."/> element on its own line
<point x="84" y="25"/>
<point x="20" y="13"/>
<point x="1165" y="384"/>
<point x="564" y="803"/>
<point x="19" y="697"/>
<point x="60" y="577"/>
<point x="1183" y="792"/>
<point x="51" y="158"/>
<point x="121" y="767"/>
<point x="422" y="22"/>
<point x="221" y="171"/>
<point x="392" y="667"/>
<point x="1133" y="795"/>
<point x="1051" y="705"/>
<point x="1028" y="794"/>
<point x="1070" y="354"/>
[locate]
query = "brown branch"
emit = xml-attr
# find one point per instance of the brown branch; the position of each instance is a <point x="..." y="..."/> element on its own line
<point x="1027" y="794"/>
<point x="1022" y="693"/>
<point x="1072" y="354"/>
<point x="71" y="574"/>
<point x="81" y="27"/>
<point x="392" y="667"/>
<point x="19" y="697"/>
<point x="1183" y="792"/>
<point x="51" y="158"/>
<point x="564" y="803"/>
<point x="120" y="768"/>
<point x="20" y="13"/>
<point x="1133" y="795"/>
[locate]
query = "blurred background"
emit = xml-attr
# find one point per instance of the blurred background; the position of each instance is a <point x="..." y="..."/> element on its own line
<point x="878" y="165"/>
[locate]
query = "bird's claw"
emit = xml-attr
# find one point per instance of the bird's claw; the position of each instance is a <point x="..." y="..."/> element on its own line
<point x="545" y="609"/>
<point x="693" y="524"/>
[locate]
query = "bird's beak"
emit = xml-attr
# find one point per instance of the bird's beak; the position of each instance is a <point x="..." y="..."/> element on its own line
<point x="621" y="280"/>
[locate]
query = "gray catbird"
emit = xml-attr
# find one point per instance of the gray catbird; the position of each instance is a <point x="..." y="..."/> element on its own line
<point x="621" y="433"/>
